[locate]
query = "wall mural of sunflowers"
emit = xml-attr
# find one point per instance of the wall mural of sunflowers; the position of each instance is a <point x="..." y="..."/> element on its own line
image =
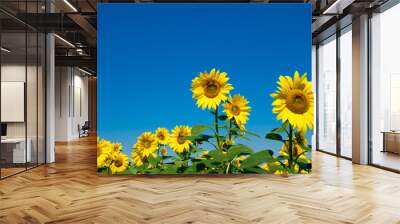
<point x="217" y="147"/>
<point x="204" y="89"/>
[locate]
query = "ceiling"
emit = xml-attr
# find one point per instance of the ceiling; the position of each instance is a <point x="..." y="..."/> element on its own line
<point x="75" y="22"/>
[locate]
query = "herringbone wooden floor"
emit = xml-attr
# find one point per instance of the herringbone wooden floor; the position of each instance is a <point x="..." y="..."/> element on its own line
<point x="70" y="191"/>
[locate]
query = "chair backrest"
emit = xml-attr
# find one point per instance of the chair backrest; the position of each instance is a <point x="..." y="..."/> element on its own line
<point x="86" y="125"/>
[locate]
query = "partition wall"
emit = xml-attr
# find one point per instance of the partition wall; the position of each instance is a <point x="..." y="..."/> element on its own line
<point x="334" y="75"/>
<point x="22" y="77"/>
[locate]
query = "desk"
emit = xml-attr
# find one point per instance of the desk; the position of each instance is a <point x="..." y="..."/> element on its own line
<point x="18" y="149"/>
<point x="391" y="142"/>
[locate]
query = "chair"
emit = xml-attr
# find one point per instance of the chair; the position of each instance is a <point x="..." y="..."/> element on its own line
<point x="84" y="130"/>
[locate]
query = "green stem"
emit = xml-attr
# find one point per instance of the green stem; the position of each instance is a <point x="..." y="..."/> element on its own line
<point x="162" y="157"/>
<point x="290" y="146"/>
<point x="217" y="128"/>
<point x="227" y="168"/>
<point x="230" y="127"/>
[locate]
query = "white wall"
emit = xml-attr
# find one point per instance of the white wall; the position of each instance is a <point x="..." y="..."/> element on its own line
<point x="71" y="87"/>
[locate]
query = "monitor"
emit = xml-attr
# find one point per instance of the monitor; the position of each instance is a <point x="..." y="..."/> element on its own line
<point x="3" y="129"/>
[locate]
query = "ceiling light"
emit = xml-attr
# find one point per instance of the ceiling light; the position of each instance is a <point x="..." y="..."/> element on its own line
<point x="5" y="50"/>
<point x="65" y="41"/>
<point x="70" y="5"/>
<point x="84" y="71"/>
<point x="337" y="7"/>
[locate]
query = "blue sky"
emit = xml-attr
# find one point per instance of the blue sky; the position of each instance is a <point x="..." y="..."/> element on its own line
<point x="149" y="53"/>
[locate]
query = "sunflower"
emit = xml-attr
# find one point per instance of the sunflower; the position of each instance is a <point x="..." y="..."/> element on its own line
<point x="162" y="136"/>
<point x="136" y="158"/>
<point x="120" y="163"/>
<point x="116" y="147"/>
<point x="228" y="142"/>
<point x="103" y="146"/>
<point x="267" y="167"/>
<point x="210" y="89"/>
<point x="164" y="151"/>
<point x="104" y="160"/>
<point x="296" y="168"/>
<point x="294" y="101"/>
<point x="237" y="109"/>
<point x="177" y="141"/>
<point x="146" y="144"/>
<point x="238" y="161"/>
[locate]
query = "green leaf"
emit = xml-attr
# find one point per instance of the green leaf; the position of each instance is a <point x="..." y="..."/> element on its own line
<point x="238" y="130"/>
<point x="251" y="133"/>
<point x="304" y="165"/>
<point x="274" y="168"/>
<point x="154" y="161"/>
<point x="179" y="163"/>
<point x="198" y="129"/>
<point x="245" y="138"/>
<point x="103" y="171"/>
<point x="130" y="170"/>
<point x="256" y="159"/>
<point x="211" y="163"/>
<point x="169" y="169"/>
<point x="202" y="138"/>
<point x="282" y="128"/>
<point x="191" y="170"/>
<point x="270" y="152"/>
<point x="153" y="170"/>
<point x="237" y="150"/>
<point x="274" y="136"/>
<point x="217" y="155"/>
<point x="200" y="167"/>
<point x="255" y="170"/>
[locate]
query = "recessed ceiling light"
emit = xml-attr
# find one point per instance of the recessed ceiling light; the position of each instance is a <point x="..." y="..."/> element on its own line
<point x="70" y="5"/>
<point x="5" y="50"/>
<point x="64" y="40"/>
<point x="335" y="7"/>
<point x="84" y="71"/>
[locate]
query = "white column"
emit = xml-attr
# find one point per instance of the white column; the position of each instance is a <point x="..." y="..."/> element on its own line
<point x="50" y="99"/>
<point x="360" y="90"/>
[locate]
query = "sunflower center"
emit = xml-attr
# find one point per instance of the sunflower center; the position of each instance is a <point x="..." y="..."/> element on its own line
<point x="181" y="140"/>
<point x="297" y="102"/>
<point x="211" y="89"/>
<point x="235" y="110"/>
<point x="147" y="144"/>
<point x="161" y="137"/>
<point x="118" y="163"/>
